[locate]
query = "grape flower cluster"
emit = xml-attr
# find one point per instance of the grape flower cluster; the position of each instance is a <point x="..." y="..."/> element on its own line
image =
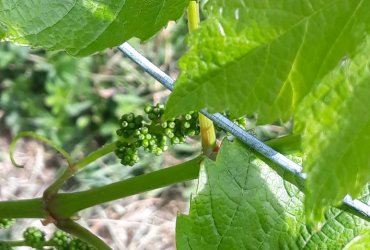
<point x="152" y="133"/>
<point x="6" y="223"/>
<point x="34" y="237"/>
<point x="60" y="240"/>
<point x="240" y="121"/>
<point x="63" y="241"/>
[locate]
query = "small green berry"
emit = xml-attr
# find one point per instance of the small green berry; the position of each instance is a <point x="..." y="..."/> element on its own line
<point x="175" y="140"/>
<point x="152" y="148"/>
<point x="145" y="143"/>
<point x="167" y="131"/>
<point x="148" y="109"/>
<point x="124" y="124"/>
<point x="130" y="117"/>
<point x="135" y="158"/>
<point x="144" y="130"/>
<point x="186" y="125"/>
<point x="130" y="151"/>
<point x="127" y="158"/>
<point x="191" y="132"/>
<point x="171" y="124"/>
<point x="160" y="106"/>
<point x="152" y="142"/>
<point x="158" y="151"/>
<point x="137" y="132"/>
<point x="155" y="110"/>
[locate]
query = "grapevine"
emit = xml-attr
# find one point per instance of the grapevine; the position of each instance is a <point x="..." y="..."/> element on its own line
<point x="234" y="63"/>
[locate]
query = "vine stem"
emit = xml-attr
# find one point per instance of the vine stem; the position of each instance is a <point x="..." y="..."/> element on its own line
<point x="109" y="148"/>
<point x="18" y="243"/>
<point x="82" y="233"/>
<point x="73" y="168"/>
<point x="207" y="130"/>
<point x="40" y="138"/>
<point x="21" y="243"/>
<point x="30" y="208"/>
<point x="67" y="205"/>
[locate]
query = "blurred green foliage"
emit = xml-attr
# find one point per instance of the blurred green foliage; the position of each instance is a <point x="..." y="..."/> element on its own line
<point x="69" y="100"/>
<point x="78" y="100"/>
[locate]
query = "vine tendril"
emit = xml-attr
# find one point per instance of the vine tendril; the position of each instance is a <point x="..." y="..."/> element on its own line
<point x="40" y="138"/>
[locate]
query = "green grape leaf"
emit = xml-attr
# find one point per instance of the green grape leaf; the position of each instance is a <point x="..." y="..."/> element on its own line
<point x="3" y="30"/>
<point x="85" y="27"/>
<point x="335" y="121"/>
<point x="265" y="56"/>
<point x="241" y="203"/>
<point x="361" y="242"/>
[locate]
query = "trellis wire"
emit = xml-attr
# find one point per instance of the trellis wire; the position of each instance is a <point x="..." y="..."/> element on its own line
<point x="354" y="206"/>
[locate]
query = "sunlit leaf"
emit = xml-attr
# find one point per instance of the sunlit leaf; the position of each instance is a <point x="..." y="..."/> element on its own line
<point x="85" y="27"/>
<point x="241" y="203"/>
<point x="335" y="120"/>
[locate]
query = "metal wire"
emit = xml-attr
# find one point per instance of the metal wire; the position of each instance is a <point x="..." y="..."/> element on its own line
<point x="356" y="207"/>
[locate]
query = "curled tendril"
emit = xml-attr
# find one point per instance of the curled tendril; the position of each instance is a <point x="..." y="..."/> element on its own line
<point x="40" y="138"/>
